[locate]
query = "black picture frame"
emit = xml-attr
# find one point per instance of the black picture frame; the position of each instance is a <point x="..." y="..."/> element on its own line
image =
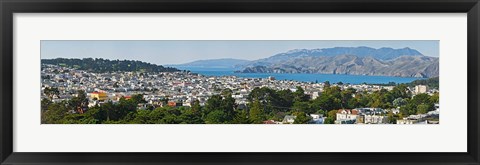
<point x="9" y="7"/>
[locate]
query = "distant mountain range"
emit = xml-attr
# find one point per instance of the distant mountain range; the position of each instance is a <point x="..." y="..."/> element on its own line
<point x="214" y="63"/>
<point x="380" y="54"/>
<point x="405" y="62"/>
<point x="405" y="66"/>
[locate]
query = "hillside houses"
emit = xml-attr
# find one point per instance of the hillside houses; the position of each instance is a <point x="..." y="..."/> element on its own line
<point x="182" y="89"/>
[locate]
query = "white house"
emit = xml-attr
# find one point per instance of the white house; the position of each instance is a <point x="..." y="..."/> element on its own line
<point x="407" y="121"/>
<point x="346" y="114"/>
<point x="289" y="119"/>
<point x="375" y="119"/>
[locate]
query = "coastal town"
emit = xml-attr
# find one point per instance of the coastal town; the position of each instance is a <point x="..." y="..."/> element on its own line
<point x="184" y="89"/>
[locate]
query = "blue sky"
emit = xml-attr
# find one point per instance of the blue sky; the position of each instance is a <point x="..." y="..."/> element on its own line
<point x="177" y="52"/>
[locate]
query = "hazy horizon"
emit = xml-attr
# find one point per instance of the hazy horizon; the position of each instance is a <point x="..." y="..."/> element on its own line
<point x="170" y="52"/>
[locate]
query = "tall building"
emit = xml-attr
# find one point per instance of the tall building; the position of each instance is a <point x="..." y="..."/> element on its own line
<point x="421" y="89"/>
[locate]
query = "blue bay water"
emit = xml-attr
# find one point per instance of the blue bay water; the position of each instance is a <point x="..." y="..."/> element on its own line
<point x="332" y="78"/>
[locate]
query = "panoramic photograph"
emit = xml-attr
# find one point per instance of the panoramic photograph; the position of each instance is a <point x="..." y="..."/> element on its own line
<point x="240" y="82"/>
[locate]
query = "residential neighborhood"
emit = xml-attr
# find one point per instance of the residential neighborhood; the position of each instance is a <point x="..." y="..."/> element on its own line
<point x="184" y="89"/>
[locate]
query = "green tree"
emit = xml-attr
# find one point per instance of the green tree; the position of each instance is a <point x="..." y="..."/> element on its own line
<point x="55" y="113"/>
<point x="241" y="117"/>
<point x="329" y="120"/>
<point x="196" y="108"/>
<point x="72" y="119"/>
<point x="270" y="100"/>
<point x="190" y="116"/>
<point x="320" y="111"/>
<point x="285" y="100"/>
<point x="435" y="98"/>
<point x="326" y="102"/>
<point x="215" y="117"/>
<point x="404" y="110"/>
<point x="95" y="115"/>
<point x="302" y="118"/>
<point x="138" y="98"/>
<point x="422" y="108"/>
<point x="381" y="99"/>
<point x="400" y="91"/>
<point x="80" y="102"/>
<point x="171" y="117"/>
<point x="212" y="104"/>
<point x="302" y="107"/>
<point x="218" y="104"/>
<point x="333" y="91"/>
<point x="256" y="114"/>
<point x="398" y="102"/>
<point x="44" y="104"/>
<point x="347" y="98"/>
<point x="144" y="117"/>
<point x="331" y="116"/>
<point x="422" y="99"/>
<point x="228" y="107"/>
<point x="299" y="95"/>
<point x="391" y="118"/>
<point x="125" y="107"/>
<point x="412" y="105"/>
<point x="362" y="99"/>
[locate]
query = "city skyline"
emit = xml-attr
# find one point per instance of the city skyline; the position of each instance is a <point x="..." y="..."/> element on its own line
<point x="193" y="50"/>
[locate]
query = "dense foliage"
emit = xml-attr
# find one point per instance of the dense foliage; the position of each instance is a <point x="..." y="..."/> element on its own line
<point x="264" y="104"/>
<point x="431" y="82"/>
<point x="100" y="65"/>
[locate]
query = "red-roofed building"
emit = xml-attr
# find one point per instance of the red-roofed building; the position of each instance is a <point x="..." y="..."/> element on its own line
<point x="346" y="115"/>
<point x="172" y="104"/>
<point x="354" y="111"/>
